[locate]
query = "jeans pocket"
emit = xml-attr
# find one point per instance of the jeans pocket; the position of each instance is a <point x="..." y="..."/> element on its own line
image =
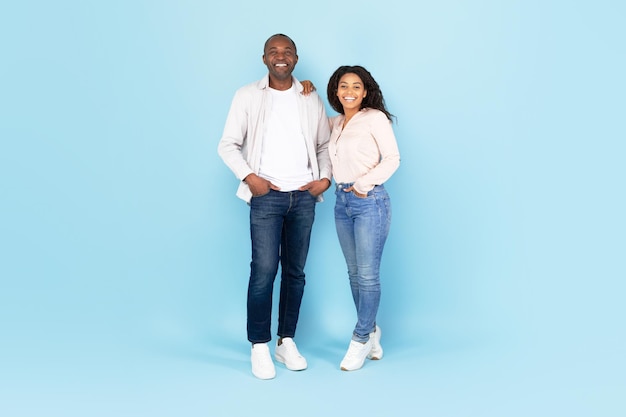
<point x="362" y="197"/>
<point x="262" y="195"/>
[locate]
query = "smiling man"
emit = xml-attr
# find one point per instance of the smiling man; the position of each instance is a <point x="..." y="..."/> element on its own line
<point x="275" y="141"/>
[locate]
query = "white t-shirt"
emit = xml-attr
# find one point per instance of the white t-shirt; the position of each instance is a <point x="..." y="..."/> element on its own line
<point x="284" y="158"/>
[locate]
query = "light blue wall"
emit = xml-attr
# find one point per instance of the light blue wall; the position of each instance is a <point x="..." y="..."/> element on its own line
<point x="120" y="231"/>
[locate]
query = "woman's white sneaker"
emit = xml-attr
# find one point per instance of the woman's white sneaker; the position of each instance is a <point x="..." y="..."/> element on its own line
<point x="355" y="356"/>
<point x="262" y="365"/>
<point x="377" y="350"/>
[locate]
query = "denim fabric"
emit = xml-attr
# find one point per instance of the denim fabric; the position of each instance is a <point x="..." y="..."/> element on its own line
<point x="280" y="229"/>
<point x="362" y="227"/>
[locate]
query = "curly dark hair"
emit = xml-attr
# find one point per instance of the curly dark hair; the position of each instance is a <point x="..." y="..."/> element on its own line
<point x="374" y="98"/>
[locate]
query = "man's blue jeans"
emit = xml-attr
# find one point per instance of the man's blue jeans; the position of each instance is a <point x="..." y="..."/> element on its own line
<point x="362" y="227"/>
<point x="280" y="229"/>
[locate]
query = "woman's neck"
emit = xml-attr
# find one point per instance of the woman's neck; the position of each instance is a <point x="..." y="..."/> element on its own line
<point x="349" y="115"/>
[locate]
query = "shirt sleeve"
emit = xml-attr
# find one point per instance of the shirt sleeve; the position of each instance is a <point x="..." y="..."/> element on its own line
<point x="382" y="132"/>
<point x="323" y="138"/>
<point x="232" y="145"/>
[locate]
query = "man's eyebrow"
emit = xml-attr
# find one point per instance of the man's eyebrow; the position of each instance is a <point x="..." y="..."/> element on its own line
<point x="276" y="47"/>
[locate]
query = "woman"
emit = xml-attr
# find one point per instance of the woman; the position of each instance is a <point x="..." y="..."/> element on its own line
<point x="364" y="154"/>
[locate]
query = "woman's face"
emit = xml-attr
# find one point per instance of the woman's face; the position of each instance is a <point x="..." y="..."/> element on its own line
<point x="351" y="92"/>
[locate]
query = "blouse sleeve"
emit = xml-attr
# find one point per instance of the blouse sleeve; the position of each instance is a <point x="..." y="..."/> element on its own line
<point x="382" y="132"/>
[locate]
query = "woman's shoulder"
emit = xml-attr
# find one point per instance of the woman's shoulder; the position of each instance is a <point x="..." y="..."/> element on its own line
<point x="374" y="115"/>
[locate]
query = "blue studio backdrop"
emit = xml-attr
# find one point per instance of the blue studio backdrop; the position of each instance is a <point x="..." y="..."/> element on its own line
<point x="124" y="253"/>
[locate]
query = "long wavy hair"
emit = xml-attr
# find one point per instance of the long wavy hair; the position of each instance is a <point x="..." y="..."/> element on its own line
<point x="374" y="98"/>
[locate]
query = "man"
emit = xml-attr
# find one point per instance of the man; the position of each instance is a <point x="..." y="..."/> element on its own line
<point x="276" y="142"/>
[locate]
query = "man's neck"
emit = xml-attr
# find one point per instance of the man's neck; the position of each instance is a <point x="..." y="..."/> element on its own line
<point x="280" y="85"/>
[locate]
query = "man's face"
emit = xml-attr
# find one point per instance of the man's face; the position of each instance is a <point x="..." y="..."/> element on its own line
<point x="280" y="57"/>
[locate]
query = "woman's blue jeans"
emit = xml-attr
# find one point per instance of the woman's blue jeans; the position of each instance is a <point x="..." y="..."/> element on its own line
<point x="280" y="229"/>
<point x="362" y="227"/>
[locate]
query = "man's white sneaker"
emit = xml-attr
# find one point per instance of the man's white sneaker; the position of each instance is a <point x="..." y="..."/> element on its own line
<point x="355" y="356"/>
<point x="377" y="350"/>
<point x="262" y="365"/>
<point x="287" y="353"/>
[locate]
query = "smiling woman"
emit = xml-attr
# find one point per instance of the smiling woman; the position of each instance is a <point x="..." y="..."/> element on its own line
<point x="351" y="93"/>
<point x="364" y="154"/>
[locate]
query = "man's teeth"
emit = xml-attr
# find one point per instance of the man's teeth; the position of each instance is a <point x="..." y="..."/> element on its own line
<point x="281" y="65"/>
